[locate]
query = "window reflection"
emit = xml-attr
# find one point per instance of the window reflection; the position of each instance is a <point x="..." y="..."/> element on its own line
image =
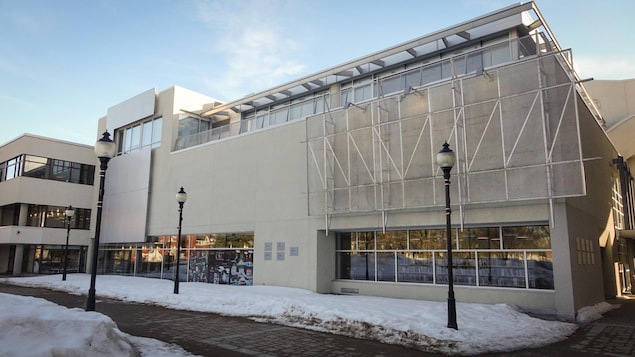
<point x="219" y="258"/>
<point x="47" y="168"/>
<point x="148" y="133"/>
<point x="521" y="260"/>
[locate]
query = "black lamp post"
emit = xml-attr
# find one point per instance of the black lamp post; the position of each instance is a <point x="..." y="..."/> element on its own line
<point x="446" y="159"/>
<point x="181" y="197"/>
<point x="70" y="212"/>
<point x="105" y="150"/>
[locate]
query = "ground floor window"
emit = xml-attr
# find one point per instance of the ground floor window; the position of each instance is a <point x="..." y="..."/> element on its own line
<point x="516" y="257"/>
<point x="219" y="258"/>
<point x="49" y="259"/>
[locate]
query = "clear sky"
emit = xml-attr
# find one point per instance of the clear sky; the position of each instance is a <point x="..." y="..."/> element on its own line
<point x="64" y="63"/>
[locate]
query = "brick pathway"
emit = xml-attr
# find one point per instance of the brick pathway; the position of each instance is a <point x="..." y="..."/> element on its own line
<point x="207" y="334"/>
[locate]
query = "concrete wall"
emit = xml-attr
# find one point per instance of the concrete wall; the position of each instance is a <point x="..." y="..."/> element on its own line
<point x="616" y="102"/>
<point x="236" y="185"/>
<point x="589" y="218"/>
<point x="614" y="99"/>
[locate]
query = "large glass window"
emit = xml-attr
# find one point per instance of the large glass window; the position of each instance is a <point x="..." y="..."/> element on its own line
<point x="35" y="166"/>
<point x="55" y="217"/>
<point x="415" y="267"/>
<point x="50" y="169"/>
<point x="141" y="134"/>
<point x="13" y="168"/>
<point x="219" y="258"/>
<point x="522" y="259"/>
<point x="10" y="215"/>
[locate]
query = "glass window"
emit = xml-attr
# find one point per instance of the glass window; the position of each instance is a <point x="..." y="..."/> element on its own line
<point x="540" y="270"/>
<point x="386" y="266"/>
<point x="344" y="241"/>
<point x="392" y="240"/>
<point x="61" y="171"/>
<point x="415" y="267"/>
<point x="391" y="85"/>
<point x="362" y="266"/>
<point x="420" y="256"/>
<point x="319" y="104"/>
<point x="279" y="116"/>
<point x="427" y="239"/>
<point x="146" y="134"/>
<point x="36" y="215"/>
<point x="364" y="241"/>
<point x="479" y="238"/>
<point x="431" y="74"/>
<point x="363" y="93"/>
<point x="81" y="219"/>
<point x="188" y="126"/>
<point x="136" y="137"/>
<point x="55" y="217"/>
<point x="463" y="268"/>
<point x="10" y="214"/>
<point x="413" y="79"/>
<point x="343" y="260"/>
<point x="35" y="166"/>
<point x="13" y="167"/>
<point x="157" y="125"/>
<point x="87" y="174"/>
<point x="128" y="140"/>
<point x="505" y="269"/>
<point x="346" y="96"/>
<point x="527" y="237"/>
<point x="119" y="140"/>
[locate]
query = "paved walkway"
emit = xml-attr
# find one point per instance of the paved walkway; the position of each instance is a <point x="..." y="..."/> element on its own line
<point x="207" y="334"/>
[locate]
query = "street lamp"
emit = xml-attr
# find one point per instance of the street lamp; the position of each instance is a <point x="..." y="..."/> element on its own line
<point x="105" y="150"/>
<point x="70" y="212"/>
<point x="446" y="159"/>
<point x="181" y="197"/>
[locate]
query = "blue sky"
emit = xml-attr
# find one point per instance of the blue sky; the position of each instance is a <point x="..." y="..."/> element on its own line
<point x="64" y="63"/>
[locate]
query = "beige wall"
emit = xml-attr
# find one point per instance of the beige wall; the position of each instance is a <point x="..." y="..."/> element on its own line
<point x="615" y="99"/>
<point x="236" y="185"/>
<point x="616" y="102"/>
<point x="588" y="218"/>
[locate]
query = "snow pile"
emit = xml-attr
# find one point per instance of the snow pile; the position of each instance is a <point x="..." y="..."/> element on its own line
<point x="60" y="331"/>
<point x="594" y="312"/>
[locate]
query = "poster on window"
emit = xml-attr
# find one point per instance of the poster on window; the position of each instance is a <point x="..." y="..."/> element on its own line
<point x="198" y="267"/>
<point x="231" y="267"/>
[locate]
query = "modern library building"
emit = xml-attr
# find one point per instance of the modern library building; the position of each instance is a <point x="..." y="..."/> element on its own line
<point x="330" y="182"/>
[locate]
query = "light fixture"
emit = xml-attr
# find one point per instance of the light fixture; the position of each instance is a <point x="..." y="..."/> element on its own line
<point x="105" y="150"/>
<point x="446" y="160"/>
<point x="70" y="212"/>
<point x="181" y="197"/>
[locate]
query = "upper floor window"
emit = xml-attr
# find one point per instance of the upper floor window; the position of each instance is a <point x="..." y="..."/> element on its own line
<point x="139" y="135"/>
<point x="48" y="169"/>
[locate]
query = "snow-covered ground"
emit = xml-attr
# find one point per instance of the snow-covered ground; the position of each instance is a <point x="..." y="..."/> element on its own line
<point x="70" y="332"/>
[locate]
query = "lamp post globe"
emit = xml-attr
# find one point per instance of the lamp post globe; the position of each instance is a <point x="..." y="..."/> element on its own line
<point x="70" y="212"/>
<point x="181" y="197"/>
<point x="446" y="158"/>
<point x="105" y="150"/>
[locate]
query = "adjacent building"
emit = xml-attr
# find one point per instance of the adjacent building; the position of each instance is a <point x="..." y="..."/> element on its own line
<point x="616" y="100"/>
<point x="39" y="178"/>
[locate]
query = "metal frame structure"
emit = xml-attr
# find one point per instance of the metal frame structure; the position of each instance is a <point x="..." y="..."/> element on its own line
<point x="515" y="129"/>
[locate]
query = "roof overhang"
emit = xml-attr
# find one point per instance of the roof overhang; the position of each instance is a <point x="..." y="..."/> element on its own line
<point x="455" y="36"/>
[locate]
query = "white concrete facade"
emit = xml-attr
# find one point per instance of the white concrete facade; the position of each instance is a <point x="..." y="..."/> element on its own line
<point x="261" y="168"/>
